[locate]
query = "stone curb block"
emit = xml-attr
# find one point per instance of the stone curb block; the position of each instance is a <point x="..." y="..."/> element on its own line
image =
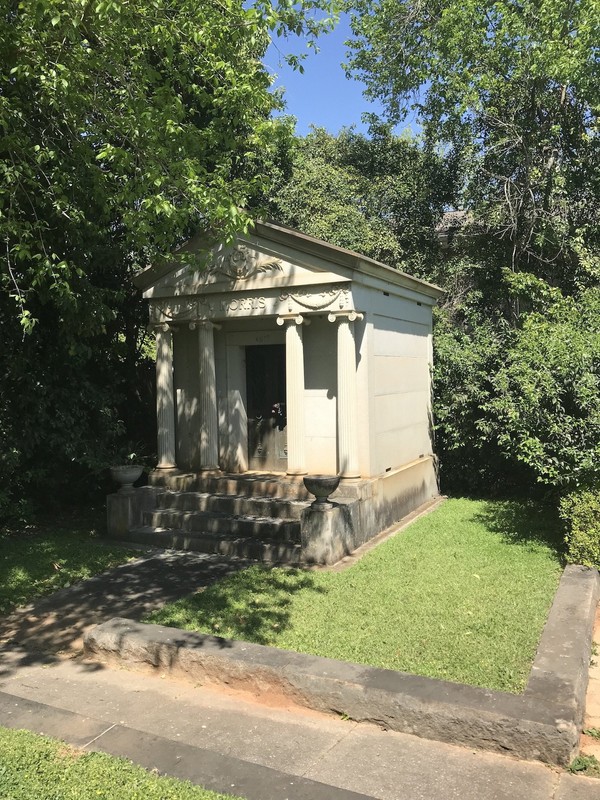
<point x="543" y="723"/>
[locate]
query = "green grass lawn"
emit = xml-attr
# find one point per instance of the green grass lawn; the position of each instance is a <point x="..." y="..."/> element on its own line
<point x="34" y="767"/>
<point x="461" y="594"/>
<point x="51" y="555"/>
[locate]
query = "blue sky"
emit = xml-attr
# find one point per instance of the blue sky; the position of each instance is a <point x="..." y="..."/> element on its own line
<point x="322" y="95"/>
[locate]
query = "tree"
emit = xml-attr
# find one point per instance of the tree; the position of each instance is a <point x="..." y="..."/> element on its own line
<point x="514" y="87"/>
<point x="380" y="195"/>
<point x="518" y="86"/>
<point x="546" y="399"/>
<point x="125" y="126"/>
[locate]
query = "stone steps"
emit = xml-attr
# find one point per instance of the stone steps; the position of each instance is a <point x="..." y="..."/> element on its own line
<point x="249" y="547"/>
<point x="254" y="484"/>
<point x="203" y="522"/>
<point x="253" y="516"/>
<point x="233" y="505"/>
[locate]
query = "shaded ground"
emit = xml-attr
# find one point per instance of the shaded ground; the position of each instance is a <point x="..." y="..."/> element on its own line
<point x="55" y="625"/>
<point x="53" y="553"/>
<point x="353" y="756"/>
<point x="229" y="744"/>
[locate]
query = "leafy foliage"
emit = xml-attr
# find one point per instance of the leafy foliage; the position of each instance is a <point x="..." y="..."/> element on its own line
<point x="585" y="765"/>
<point x="547" y="393"/>
<point x="379" y="195"/>
<point x="129" y="123"/>
<point x="519" y="405"/>
<point x="517" y="85"/>
<point x="514" y="89"/>
<point x="467" y="353"/>
<point x="580" y="511"/>
<point x="124" y="127"/>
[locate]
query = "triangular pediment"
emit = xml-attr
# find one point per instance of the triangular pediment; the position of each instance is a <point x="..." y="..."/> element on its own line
<point x="248" y="264"/>
<point x="271" y="257"/>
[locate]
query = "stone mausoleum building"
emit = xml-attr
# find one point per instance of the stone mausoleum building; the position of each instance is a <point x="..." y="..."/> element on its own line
<point x="284" y="357"/>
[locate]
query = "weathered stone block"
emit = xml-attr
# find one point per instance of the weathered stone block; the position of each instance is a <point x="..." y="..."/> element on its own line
<point x="326" y="533"/>
<point x="124" y="511"/>
<point x="543" y="723"/>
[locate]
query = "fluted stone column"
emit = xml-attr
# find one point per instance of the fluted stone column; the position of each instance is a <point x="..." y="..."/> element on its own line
<point x="294" y="393"/>
<point x="165" y="406"/>
<point x="347" y="394"/>
<point x="209" y="419"/>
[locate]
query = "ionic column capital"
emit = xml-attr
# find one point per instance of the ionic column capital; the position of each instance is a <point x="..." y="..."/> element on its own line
<point x="297" y="319"/>
<point x="161" y="327"/>
<point x="351" y="316"/>
<point x="204" y="323"/>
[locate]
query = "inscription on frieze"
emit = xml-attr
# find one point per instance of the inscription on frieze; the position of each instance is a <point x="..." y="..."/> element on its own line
<point x="234" y="304"/>
<point x="244" y="304"/>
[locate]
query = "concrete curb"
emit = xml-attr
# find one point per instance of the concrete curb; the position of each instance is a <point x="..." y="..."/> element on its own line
<point x="543" y="723"/>
<point x="220" y="773"/>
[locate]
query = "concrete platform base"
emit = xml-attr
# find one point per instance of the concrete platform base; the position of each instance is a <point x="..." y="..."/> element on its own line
<point x="267" y="517"/>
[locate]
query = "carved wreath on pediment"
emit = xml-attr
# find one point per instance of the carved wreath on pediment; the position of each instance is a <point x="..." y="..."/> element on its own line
<point x="242" y="264"/>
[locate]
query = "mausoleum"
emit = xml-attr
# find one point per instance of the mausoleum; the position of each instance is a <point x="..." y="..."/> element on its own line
<point x="285" y="356"/>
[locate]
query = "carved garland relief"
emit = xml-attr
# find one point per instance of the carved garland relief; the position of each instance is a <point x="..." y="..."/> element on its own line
<point x="173" y="309"/>
<point x="316" y="301"/>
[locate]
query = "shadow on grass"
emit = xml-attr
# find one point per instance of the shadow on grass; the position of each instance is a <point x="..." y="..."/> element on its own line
<point x="48" y="565"/>
<point x="253" y="605"/>
<point x="42" y="558"/>
<point x="54" y="624"/>
<point x="523" y="521"/>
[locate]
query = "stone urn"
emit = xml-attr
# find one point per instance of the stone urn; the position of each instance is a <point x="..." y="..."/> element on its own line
<point x="126" y="476"/>
<point x="322" y="486"/>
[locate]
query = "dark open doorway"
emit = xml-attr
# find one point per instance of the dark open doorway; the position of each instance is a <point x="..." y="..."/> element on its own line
<point x="265" y="393"/>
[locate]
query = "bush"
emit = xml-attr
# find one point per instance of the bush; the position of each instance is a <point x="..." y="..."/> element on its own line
<point x="580" y="511"/>
<point x="467" y="354"/>
<point x="545" y="402"/>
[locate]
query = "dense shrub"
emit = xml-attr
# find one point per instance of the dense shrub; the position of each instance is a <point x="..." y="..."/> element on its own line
<point x="580" y="511"/>
<point x="466" y="358"/>
<point x="519" y="404"/>
<point x="546" y="403"/>
<point x="66" y="406"/>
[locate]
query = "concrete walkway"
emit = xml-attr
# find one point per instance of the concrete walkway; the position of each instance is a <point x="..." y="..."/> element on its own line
<point x="221" y="740"/>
